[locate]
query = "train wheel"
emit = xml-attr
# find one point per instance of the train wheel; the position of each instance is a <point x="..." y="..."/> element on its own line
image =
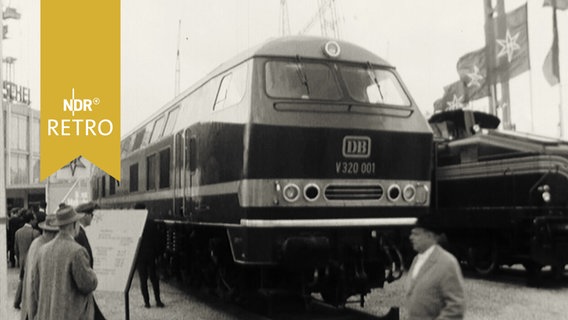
<point x="483" y="259"/>
<point x="333" y="296"/>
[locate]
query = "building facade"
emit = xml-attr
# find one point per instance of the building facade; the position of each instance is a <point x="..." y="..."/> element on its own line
<point x="21" y="145"/>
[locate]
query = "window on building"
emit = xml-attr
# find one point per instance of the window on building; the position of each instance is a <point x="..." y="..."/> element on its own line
<point x="151" y="172"/>
<point x="35" y="169"/>
<point x="134" y="177"/>
<point x="19" y="132"/>
<point x="165" y="168"/>
<point x="19" y="169"/>
<point x="34" y="139"/>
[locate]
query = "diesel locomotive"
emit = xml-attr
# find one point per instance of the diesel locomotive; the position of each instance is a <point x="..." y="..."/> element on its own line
<point x="297" y="165"/>
<point x="501" y="195"/>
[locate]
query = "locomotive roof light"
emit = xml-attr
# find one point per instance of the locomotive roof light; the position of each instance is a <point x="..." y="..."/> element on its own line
<point x="393" y="192"/>
<point x="409" y="193"/>
<point x="291" y="192"/>
<point x="476" y="128"/>
<point x="332" y="49"/>
<point x="311" y="192"/>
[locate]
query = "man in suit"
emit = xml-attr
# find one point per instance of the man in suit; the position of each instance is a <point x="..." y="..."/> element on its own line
<point x="88" y="210"/>
<point x="435" y="282"/>
<point x="62" y="280"/>
<point x="22" y="241"/>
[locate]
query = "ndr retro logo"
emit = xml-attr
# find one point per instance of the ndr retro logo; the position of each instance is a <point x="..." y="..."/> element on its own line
<point x="79" y="127"/>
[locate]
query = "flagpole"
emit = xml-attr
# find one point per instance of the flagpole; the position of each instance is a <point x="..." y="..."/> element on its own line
<point x="3" y="217"/>
<point x="560" y="102"/>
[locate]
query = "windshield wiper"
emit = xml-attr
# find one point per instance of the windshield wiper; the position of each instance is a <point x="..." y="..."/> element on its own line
<point x="302" y="75"/>
<point x="373" y="77"/>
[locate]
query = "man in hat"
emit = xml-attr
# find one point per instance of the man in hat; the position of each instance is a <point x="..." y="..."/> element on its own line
<point x="62" y="279"/>
<point x="435" y="282"/>
<point x="29" y="306"/>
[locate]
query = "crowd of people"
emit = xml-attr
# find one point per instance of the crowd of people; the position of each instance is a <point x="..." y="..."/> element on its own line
<point x="57" y="280"/>
<point x="54" y="255"/>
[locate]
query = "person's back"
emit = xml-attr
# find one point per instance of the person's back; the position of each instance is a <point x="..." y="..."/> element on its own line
<point x="66" y="280"/>
<point x="62" y="280"/>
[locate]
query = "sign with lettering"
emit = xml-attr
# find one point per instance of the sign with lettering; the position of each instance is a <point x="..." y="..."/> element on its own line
<point x="114" y="236"/>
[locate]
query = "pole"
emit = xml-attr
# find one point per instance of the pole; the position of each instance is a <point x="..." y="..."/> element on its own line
<point x="490" y="52"/>
<point x="176" y="89"/>
<point x="3" y="219"/>
<point x="505" y="100"/>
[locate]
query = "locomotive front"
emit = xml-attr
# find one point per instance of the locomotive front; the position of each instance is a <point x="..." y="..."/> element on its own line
<point x="336" y="167"/>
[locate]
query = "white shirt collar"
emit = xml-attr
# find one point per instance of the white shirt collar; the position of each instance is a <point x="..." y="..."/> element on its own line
<point x="420" y="259"/>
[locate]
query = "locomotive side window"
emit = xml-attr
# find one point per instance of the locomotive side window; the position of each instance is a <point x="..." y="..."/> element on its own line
<point x="165" y="168"/>
<point x="301" y="80"/>
<point x="377" y="86"/>
<point x="134" y="177"/>
<point x="158" y="129"/>
<point x="151" y="172"/>
<point x="138" y="139"/>
<point x="103" y="186"/>
<point x="112" y="185"/>
<point x="172" y="116"/>
<point x="232" y="88"/>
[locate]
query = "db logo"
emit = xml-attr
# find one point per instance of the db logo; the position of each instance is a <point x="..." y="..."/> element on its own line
<point x="356" y="147"/>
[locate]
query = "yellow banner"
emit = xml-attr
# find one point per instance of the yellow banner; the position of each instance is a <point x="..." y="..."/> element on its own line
<point x="80" y="84"/>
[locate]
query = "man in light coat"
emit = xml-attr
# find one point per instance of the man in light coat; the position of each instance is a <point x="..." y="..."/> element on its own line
<point x="435" y="282"/>
<point x="29" y="306"/>
<point x="22" y="241"/>
<point x="63" y="281"/>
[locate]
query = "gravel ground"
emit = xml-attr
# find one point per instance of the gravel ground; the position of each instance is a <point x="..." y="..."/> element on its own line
<point x="504" y="296"/>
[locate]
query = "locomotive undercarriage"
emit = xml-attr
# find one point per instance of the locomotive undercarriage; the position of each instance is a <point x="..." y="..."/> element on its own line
<point x="304" y="264"/>
<point x="517" y="236"/>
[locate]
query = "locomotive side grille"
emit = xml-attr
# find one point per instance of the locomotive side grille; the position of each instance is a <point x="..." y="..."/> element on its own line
<point x="351" y="192"/>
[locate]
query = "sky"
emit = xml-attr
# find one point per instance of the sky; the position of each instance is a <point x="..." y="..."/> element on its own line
<point x="423" y="39"/>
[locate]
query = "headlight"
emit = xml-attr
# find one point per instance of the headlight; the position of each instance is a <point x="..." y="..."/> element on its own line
<point x="291" y="192"/>
<point x="311" y="192"/>
<point x="393" y="192"/>
<point x="409" y="193"/>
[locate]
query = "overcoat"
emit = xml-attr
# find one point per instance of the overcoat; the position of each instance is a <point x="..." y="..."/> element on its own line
<point x="437" y="291"/>
<point x="64" y="281"/>
<point x="29" y="306"/>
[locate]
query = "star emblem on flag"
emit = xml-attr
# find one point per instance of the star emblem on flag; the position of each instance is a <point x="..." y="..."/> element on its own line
<point x="508" y="45"/>
<point x="474" y="77"/>
<point x="456" y="103"/>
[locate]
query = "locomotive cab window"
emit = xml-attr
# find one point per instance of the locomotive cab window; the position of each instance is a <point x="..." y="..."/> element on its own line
<point x="158" y="130"/>
<point x="376" y="86"/>
<point x="301" y="80"/>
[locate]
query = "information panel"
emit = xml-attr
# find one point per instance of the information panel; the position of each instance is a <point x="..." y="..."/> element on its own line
<point x="114" y="236"/>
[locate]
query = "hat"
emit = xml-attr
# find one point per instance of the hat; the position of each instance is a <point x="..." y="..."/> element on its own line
<point x="87" y="207"/>
<point x="66" y="215"/>
<point x="429" y="222"/>
<point x="49" y="223"/>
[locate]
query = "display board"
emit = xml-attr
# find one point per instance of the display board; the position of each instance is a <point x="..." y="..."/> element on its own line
<point x="114" y="236"/>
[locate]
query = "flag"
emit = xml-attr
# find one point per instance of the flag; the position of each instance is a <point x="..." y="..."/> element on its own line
<point x="472" y="70"/>
<point x="454" y="97"/>
<point x="512" y="46"/>
<point x="558" y="4"/>
<point x="551" y="64"/>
